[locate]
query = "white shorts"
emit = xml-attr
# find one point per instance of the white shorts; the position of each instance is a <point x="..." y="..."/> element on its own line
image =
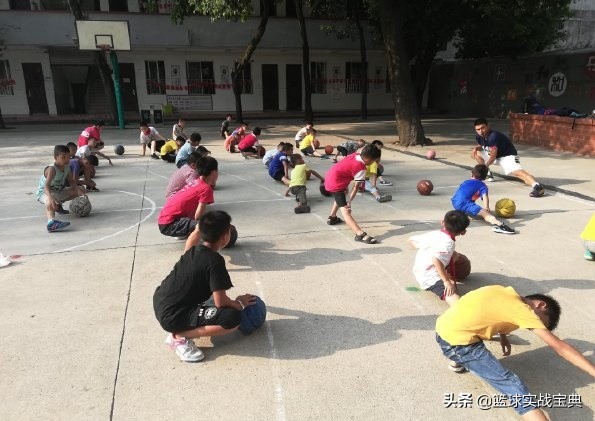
<point x="509" y="163"/>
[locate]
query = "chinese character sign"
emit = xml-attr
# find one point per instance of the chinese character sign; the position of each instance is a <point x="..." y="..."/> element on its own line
<point x="557" y="84"/>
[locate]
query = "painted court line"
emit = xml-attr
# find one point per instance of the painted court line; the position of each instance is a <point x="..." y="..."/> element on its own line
<point x="153" y="208"/>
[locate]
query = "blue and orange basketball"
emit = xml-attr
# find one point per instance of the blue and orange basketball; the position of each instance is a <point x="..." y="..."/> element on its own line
<point x="253" y="316"/>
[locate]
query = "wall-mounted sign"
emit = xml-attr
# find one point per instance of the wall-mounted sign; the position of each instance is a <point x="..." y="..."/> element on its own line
<point x="557" y="84"/>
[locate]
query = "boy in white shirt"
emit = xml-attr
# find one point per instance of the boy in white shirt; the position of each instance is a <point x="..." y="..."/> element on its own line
<point x="435" y="250"/>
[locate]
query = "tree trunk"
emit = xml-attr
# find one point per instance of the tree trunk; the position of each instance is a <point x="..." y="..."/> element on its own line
<point x="238" y="68"/>
<point x="2" y="123"/>
<point x="308" y="113"/>
<point x="406" y="111"/>
<point x="105" y="71"/>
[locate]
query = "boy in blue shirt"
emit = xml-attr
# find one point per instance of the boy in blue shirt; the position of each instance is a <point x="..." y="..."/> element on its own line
<point x="469" y="191"/>
<point x="280" y="164"/>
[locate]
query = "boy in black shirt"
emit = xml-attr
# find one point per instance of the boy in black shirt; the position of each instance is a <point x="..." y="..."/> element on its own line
<point x="191" y="302"/>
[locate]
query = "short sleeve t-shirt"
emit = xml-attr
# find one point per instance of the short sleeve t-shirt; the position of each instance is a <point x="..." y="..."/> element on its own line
<point x="299" y="176"/>
<point x="438" y="244"/>
<point x="276" y="164"/>
<point x="83" y="151"/>
<point x="480" y="314"/>
<point x="179" y="179"/>
<point x="468" y="189"/>
<point x="150" y="136"/>
<point x="269" y="155"/>
<point x="169" y="147"/>
<point x="89" y="133"/>
<point x="199" y="272"/>
<point x="371" y="170"/>
<point x="301" y="133"/>
<point x="307" y="142"/>
<point x="177" y="130"/>
<point x="588" y="233"/>
<point x="184" y="152"/>
<point x="351" y="146"/>
<point x="497" y="140"/>
<point x="247" y="141"/>
<point x="341" y="174"/>
<point x="183" y="204"/>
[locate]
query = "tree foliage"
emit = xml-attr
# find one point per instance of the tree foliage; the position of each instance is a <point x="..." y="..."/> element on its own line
<point x="510" y="27"/>
<point x="228" y="10"/>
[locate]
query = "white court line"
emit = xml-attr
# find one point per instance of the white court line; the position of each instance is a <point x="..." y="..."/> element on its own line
<point x="153" y="208"/>
<point x="252" y="182"/>
<point x="158" y="175"/>
<point x="279" y="393"/>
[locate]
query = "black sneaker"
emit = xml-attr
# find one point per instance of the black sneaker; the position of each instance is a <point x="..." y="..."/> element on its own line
<point x="154" y="156"/>
<point x="302" y="209"/>
<point x="61" y="210"/>
<point x="537" y="191"/>
<point x="503" y="229"/>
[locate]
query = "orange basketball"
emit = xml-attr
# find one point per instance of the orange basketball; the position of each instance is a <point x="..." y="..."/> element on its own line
<point x="425" y="187"/>
<point x="328" y="149"/>
<point x="261" y="151"/>
<point x="315" y="144"/>
<point x="459" y="267"/>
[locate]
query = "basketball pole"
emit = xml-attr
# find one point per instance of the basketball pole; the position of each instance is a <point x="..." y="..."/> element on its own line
<point x="117" y="90"/>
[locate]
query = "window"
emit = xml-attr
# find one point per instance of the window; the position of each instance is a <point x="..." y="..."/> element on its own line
<point x="353" y="74"/>
<point x="155" y="74"/>
<point x="51" y="5"/>
<point x="6" y="81"/>
<point x="20" y="5"/>
<point x="201" y="79"/>
<point x="247" y="79"/>
<point x="318" y="77"/>
<point x="118" y="6"/>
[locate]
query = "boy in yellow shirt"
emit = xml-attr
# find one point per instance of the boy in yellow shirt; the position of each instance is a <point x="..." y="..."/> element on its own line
<point x="588" y="237"/>
<point x="307" y="144"/>
<point x="170" y="149"/>
<point x="297" y="184"/>
<point x="480" y="314"/>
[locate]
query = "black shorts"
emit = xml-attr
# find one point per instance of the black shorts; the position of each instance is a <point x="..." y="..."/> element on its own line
<point x="250" y="149"/>
<point x="279" y="175"/>
<point x="307" y="151"/>
<point x="340" y="198"/>
<point x="342" y="150"/>
<point x="169" y="157"/>
<point x="438" y="289"/>
<point x="179" y="228"/>
<point x="207" y="314"/>
<point x="158" y="144"/>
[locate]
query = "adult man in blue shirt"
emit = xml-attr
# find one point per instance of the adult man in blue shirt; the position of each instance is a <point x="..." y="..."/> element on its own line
<point x="494" y="147"/>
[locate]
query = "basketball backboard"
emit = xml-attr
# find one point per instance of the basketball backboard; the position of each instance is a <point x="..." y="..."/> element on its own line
<point x="98" y="34"/>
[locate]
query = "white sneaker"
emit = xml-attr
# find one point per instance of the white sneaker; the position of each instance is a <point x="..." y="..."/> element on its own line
<point x="457" y="368"/>
<point x="186" y="349"/>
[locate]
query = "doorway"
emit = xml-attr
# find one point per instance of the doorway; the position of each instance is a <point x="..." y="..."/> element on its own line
<point x="270" y="87"/>
<point x="128" y="87"/>
<point x="35" y="88"/>
<point x="293" y="85"/>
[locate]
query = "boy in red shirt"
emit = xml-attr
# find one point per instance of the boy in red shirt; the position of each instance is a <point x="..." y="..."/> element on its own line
<point x="338" y="178"/>
<point x="249" y="143"/>
<point x="180" y="214"/>
<point x="92" y="132"/>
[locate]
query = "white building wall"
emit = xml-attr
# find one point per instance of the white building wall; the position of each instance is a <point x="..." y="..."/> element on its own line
<point x="17" y="104"/>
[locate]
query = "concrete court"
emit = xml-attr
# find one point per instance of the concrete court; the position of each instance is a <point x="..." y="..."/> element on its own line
<point x="347" y="337"/>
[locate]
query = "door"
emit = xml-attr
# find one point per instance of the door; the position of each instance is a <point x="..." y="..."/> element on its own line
<point x="270" y="87"/>
<point x="128" y="87"/>
<point x="79" y="90"/>
<point x="293" y="84"/>
<point x="35" y="88"/>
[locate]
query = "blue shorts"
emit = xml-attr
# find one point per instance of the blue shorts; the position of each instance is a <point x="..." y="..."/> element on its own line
<point x="481" y="362"/>
<point x="467" y="206"/>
